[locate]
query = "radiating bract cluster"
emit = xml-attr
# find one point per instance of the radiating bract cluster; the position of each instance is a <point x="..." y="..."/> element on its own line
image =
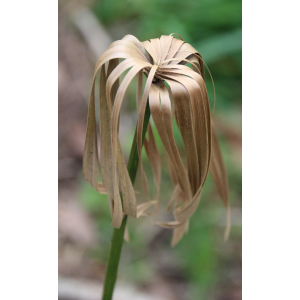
<point x="172" y="88"/>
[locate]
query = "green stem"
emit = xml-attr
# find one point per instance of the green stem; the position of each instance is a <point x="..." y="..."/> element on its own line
<point x="118" y="234"/>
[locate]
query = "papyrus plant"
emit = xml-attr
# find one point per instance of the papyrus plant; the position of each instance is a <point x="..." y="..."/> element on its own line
<point x="174" y="87"/>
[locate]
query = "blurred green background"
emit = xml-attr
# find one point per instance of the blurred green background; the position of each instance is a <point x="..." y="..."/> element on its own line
<point x="201" y="266"/>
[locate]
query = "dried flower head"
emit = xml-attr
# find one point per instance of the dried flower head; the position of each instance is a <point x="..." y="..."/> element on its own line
<point x="172" y="88"/>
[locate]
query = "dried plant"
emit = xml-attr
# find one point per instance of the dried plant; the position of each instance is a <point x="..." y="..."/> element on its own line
<point x="175" y="86"/>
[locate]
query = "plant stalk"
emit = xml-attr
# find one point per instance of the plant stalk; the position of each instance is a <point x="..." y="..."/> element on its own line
<point x="118" y="234"/>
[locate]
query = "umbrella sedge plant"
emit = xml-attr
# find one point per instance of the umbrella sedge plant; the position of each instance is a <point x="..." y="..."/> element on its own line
<point x="174" y="88"/>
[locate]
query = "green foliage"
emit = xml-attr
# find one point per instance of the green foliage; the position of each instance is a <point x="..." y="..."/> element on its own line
<point x="97" y="206"/>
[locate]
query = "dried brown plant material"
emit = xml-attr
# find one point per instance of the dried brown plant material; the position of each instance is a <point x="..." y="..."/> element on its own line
<point x="163" y="60"/>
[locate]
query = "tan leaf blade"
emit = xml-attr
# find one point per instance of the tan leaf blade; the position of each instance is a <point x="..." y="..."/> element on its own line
<point x="219" y="176"/>
<point x="154" y="159"/>
<point x="90" y="166"/>
<point x="162" y="117"/>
